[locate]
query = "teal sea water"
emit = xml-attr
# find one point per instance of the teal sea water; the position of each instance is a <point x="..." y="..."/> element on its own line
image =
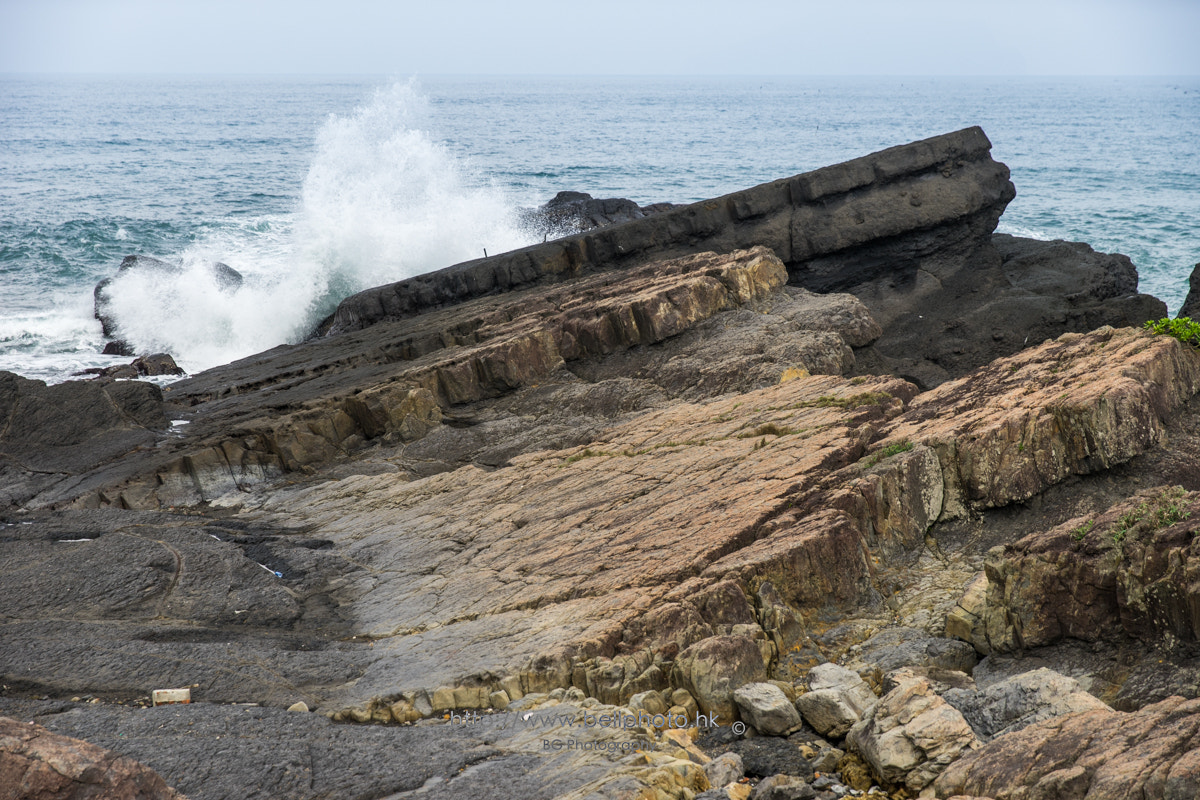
<point x="314" y="188"/>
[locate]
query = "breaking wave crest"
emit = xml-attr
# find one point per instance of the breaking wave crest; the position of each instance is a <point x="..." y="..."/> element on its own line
<point x="382" y="201"/>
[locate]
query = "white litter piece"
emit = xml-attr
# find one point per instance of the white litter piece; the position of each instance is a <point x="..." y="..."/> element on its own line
<point x="170" y="697"/>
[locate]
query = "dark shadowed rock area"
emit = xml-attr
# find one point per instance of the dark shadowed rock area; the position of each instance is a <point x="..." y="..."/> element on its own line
<point x="652" y="472"/>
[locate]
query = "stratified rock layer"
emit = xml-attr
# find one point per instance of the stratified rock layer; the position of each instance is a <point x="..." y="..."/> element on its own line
<point x="1131" y="571"/>
<point x="839" y="225"/>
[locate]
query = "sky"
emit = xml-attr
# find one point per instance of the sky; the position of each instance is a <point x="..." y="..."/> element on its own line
<point x="616" y="37"/>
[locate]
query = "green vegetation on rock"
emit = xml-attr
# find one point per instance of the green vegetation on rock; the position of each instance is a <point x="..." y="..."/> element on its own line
<point x="1184" y="329"/>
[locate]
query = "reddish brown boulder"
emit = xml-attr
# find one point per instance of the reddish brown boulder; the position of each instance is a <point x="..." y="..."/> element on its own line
<point x="1095" y="755"/>
<point x="36" y="764"/>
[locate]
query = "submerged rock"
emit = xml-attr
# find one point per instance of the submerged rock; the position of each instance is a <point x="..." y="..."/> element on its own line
<point x="147" y="270"/>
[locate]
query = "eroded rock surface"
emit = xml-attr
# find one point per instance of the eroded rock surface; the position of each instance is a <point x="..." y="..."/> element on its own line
<point x="36" y="764"/>
<point x="582" y="473"/>
<point x="1129" y="571"/>
<point x="1094" y="755"/>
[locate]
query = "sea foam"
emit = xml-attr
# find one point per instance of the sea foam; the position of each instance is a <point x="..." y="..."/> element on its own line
<point x="382" y="201"/>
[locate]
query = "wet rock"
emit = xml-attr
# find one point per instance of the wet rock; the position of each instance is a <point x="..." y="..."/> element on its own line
<point x="36" y="764"/>
<point x="157" y="364"/>
<point x="767" y="708"/>
<point x="912" y="734"/>
<point x="146" y="271"/>
<point x="574" y="212"/>
<point x="836" y="699"/>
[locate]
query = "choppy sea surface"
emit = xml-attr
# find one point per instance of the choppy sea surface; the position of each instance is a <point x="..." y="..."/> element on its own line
<point x="314" y="188"/>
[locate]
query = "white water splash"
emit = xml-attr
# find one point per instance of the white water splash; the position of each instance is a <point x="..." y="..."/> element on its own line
<point x="382" y="201"/>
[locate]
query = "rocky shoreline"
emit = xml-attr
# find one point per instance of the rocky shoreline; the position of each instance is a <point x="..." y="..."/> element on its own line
<point x="891" y="504"/>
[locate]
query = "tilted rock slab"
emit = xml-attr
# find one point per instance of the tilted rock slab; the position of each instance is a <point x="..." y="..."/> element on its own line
<point x="599" y="565"/>
<point x="294" y="407"/>
<point x="1094" y="755"/>
<point x="839" y="224"/>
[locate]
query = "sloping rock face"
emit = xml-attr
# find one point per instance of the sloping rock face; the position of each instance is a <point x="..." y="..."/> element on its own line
<point x="49" y="435"/>
<point x="838" y="225"/>
<point x="1095" y="755"/>
<point x="600" y="565"/>
<point x="1131" y="571"/>
<point x="36" y="764"/>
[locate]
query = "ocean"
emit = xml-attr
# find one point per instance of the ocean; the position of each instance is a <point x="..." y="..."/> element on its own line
<point x="314" y="188"/>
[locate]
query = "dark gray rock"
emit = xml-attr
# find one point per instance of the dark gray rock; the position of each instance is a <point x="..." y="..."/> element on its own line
<point x="1020" y="701"/>
<point x="1191" y="303"/>
<point x="225" y="276"/>
<point x="575" y="212"/>
<point x="956" y="314"/>
<point x="211" y="752"/>
<point x="123" y="602"/>
<point x="50" y="433"/>
<point x="766" y="756"/>
<point x="835" y="227"/>
<point x="894" y="648"/>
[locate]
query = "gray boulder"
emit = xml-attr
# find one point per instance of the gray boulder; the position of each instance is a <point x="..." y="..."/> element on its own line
<point x="1020" y="701"/>
<point x="725" y="769"/>
<point x="837" y="698"/>
<point x="767" y="708"/>
<point x="911" y="735"/>
<point x="783" y="787"/>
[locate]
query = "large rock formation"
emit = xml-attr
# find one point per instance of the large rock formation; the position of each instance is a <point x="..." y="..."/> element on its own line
<point x="835" y="227"/>
<point x="1127" y="572"/>
<point x="589" y="468"/>
<point x="1093" y="755"/>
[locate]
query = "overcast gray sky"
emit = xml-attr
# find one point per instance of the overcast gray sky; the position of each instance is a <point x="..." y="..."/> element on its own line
<point x="759" y="37"/>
